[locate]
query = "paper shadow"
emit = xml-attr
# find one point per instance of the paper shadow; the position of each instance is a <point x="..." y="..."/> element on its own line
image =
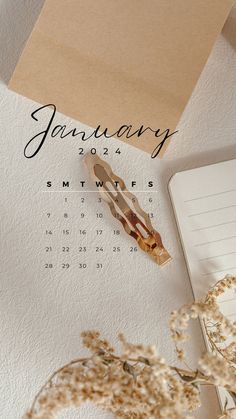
<point x="17" y="19"/>
<point x="229" y="30"/>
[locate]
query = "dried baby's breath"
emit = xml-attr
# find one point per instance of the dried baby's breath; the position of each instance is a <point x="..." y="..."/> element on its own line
<point x="139" y="383"/>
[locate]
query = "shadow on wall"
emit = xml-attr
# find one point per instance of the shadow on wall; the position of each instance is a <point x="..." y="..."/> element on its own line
<point x="229" y="30"/>
<point x="17" y="19"/>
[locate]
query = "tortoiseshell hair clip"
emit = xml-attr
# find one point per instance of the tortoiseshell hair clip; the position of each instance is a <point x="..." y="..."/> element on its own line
<point x="135" y="221"/>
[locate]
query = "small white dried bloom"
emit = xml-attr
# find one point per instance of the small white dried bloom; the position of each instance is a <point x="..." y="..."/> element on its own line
<point x="219" y="370"/>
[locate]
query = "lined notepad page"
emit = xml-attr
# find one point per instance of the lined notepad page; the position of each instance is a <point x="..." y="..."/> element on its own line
<point x="204" y="202"/>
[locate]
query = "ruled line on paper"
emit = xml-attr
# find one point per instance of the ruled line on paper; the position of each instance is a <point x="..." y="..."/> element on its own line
<point x="96" y="191"/>
<point x="217" y="256"/>
<point x="231" y="315"/>
<point x="208" y="196"/>
<point x="214" y="225"/>
<point x="214" y="241"/>
<point x="217" y="272"/>
<point x="228" y="300"/>
<point x="212" y="210"/>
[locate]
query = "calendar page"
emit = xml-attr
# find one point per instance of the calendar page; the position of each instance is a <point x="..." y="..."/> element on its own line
<point x="78" y="233"/>
<point x="67" y="225"/>
<point x="68" y="263"/>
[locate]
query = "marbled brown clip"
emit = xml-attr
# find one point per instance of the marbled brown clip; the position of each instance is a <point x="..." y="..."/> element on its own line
<point x="135" y="221"/>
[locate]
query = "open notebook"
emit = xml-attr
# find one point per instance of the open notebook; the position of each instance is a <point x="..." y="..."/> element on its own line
<point x="204" y="201"/>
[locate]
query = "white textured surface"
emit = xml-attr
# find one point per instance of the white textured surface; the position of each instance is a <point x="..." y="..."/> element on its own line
<point x="41" y="319"/>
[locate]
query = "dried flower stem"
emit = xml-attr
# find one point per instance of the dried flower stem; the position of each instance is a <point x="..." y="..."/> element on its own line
<point x="139" y="384"/>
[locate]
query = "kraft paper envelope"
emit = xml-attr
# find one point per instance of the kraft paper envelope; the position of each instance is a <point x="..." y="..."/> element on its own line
<point x="116" y="62"/>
